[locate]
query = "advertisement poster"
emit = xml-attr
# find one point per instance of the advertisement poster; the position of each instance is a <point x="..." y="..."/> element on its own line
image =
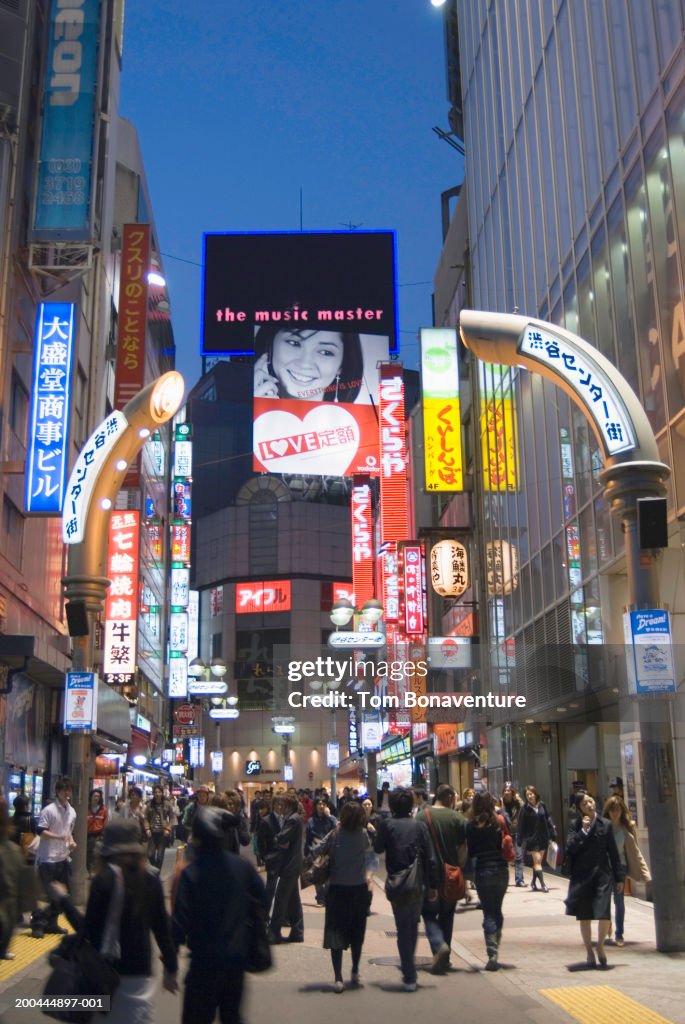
<point x="80" y="702"/>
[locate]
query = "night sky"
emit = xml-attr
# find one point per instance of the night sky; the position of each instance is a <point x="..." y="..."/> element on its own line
<point x="240" y="105"/>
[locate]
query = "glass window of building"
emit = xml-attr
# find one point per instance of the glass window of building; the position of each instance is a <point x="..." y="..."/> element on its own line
<point x="624" y="69"/>
<point x="586" y="299"/>
<point x="546" y="166"/>
<point x="675" y="124"/>
<point x="678" y="447"/>
<point x="622" y="293"/>
<point x="586" y="102"/>
<point x="528" y="282"/>
<point x="666" y="267"/>
<point x="559" y="162"/>
<point x="669" y="28"/>
<point x="644" y="45"/>
<point x="582" y="455"/>
<point x="644" y="300"/>
<point x="570" y="118"/>
<point x="538" y="240"/>
<point x="601" y="288"/>
<point x="560" y="567"/>
<point x="603" y="91"/>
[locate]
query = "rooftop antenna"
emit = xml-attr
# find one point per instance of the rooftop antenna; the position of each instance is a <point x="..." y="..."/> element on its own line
<point x="300" y="208"/>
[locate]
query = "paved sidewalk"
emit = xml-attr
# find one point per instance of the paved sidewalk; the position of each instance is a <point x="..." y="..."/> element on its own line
<point x="534" y="986"/>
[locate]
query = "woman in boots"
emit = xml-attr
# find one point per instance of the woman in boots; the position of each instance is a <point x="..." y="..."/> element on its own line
<point x="484" y="840"/>
<point x="535" y="829"/>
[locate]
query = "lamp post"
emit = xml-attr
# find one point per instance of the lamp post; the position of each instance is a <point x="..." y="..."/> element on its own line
<point x="95" y="481"/>
<point x="202" y="671"/>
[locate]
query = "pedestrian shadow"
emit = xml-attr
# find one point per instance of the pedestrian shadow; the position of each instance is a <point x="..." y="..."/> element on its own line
<point x="584" y="966"/>
<point x="322" y="986"/>
<point x="396" y="988"/>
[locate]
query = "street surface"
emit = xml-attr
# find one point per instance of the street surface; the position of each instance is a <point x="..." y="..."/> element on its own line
<point x="534" y="986"/>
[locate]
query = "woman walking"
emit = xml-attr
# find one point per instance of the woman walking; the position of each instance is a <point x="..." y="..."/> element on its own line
<point x="595" y="864"/>
<point x="348" y="895"/>
<point x="535" y="829"/>
<point x="97" y="819"/>
<point x="484" y="839"/>
<point x="158" y="817"/>
<point x="126" y="906"/>
<point x="372" y="862"/>
<point x="511" y="807"/>
<point x="630" y="856"/>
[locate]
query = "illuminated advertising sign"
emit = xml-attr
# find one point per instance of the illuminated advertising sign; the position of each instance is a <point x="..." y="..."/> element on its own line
<point x="394" y="509"/>
<point x="270" y="596"/>
<point x="315" y="394"/>
<point x="178" y="632"/>
<point x="412" y="588"/>
<point x="80" y="702"/>
<point x="120" y="607"/>
<point x="63" y="188"/>
<point x="309" y="280"/>
<point x="180" y="586"/>
<point x="441" y="411"/>
<point x="180" y="542"/>
<point x="84" y="474"/>
<point x="196" y="751"/>
<point x="47" y="456"/>
<point x="362" y="540"/>
<point x="178" y="675"/>
<point x="135" y="262"/>
<point x="344" y="592"/>
<point x="183" y="459"/>
<point x="182" y="499"/>
<point x="391" y="587"/>
<point x="498" y="445"/>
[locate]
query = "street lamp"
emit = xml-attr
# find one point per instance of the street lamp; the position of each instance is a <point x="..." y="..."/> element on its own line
<point x="217" y="705"/>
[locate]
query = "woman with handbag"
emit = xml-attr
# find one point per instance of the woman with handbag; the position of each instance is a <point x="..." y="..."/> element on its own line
<point x="347" y="900"/>
<point x="595" y="865"/>
<point x="484" y="837"/>
<point x="630" y="855"/>
<point x="125" y="906"/>
<point x="319" y="825"/>
<point x="535" y="829"/>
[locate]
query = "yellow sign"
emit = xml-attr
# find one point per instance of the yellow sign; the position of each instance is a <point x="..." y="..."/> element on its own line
<point x="442" y="444"/>
<point x="499" y="446"/>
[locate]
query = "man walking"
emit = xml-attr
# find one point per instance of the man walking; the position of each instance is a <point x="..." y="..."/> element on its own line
<point x="55" y="828"/>
<point x="210" y="917"/>
<point x="287" y="903"/>
<point x="447" y="828"/>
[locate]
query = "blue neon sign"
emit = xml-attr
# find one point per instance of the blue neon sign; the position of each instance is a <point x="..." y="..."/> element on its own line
<point x="46" y="463"/>
<point x="63" y="188"/>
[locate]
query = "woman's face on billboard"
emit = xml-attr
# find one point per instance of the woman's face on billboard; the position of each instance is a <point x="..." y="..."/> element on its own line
<point x="307" y="362"/>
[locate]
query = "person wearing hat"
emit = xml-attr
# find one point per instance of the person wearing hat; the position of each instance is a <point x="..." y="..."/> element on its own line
<point x="125" y="906"/>
<point x="210" y="917"/>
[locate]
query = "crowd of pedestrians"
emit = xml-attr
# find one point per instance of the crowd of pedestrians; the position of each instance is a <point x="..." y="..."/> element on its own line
<point x="434" y="851"/>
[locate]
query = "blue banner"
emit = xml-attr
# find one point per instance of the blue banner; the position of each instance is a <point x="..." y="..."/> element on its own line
<point x="46" y="462"/>
<point x="63" y="189"/>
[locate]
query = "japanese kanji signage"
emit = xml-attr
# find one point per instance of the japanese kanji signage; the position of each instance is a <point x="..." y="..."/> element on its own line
<point x="449" y="568"/>
<point x="598" y="394"/>
<point x="120" y="607"/>
<point x="178" y="675"/>
<point x="63" y="189"/>
<point x="85" y="474"/>
<point x="391" y="593"/>
<point x="47" y="457"/>
<point x="180" y="542"/>
<point x="362" y="540"/>
<point x="270" y="596"/>
<point x="178" y="632"/>
<point x="412" y="589"/>
<point x="135" y="263"/>
<point x="501" y="567"/>
<point x="441" y="411"/>
<point x="180" y="586"/>
<point x="498" y="444"/>
<point x="80" y="702"/>
<point x="394" y="509"/>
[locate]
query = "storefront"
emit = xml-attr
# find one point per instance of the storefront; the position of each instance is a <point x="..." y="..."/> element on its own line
<point x="394" y="763"/>
<point x="445" y="740"/>
<point x="425" y="771"/>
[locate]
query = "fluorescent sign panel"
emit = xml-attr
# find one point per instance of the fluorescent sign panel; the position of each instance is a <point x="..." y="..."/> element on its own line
<point x="183" y="459"/>
<point x="441" y="411"/>
<point x="394" y="507"/>
<point x="182" y="499"/>
<point x="361" y="507"/>
<point x="315" y="394"/>
<point x="178" y="632"/>
<point x="271" y="596"/>
<point x="85" y="473"/>
<point x="196" y="752"/>
<point x="412" y="589"/>
<point x="133" y="292"/>
<point x="588" y="381"/>
<point x="180" y="586"/>
<point x="499" y="446"/>
<point x="180" y="542"/>
<point x="314" y="280"/>
<point x="178" y="676"/>
<point x="64" y="185"/>
<point x="80" y="702"/>
<point x="47" y="457"/>
<point x="121" y="612"/>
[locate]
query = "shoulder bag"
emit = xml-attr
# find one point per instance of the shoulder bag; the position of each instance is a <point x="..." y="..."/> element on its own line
<point x="452" y="886"/>
<point x="406" y="886"/>
<point x="508" y="848"/>
<point x="316" y="867"/>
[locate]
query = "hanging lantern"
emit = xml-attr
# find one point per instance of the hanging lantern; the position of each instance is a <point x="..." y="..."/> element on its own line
<point x="449" y="568"/>
<point x="502" y="567"/>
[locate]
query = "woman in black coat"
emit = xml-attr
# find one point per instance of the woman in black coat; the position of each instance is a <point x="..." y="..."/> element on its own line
<point x="535" y="829"/>
<point x="595" y="865"/>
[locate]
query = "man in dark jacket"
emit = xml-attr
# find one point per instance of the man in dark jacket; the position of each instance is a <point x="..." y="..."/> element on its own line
<point x="402" y="839"/>
<point x="210" y="917"/>
<point x="287" y="904"/>
<point x="447" y="829"/>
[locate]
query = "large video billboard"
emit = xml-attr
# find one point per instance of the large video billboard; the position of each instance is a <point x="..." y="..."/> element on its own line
<point x="335" y="281"/>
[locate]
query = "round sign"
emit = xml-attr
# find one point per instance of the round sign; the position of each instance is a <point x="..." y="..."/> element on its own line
<point x="185" y="714"/>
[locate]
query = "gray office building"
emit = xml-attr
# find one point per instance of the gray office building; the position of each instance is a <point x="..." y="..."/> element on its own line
<point x="572" y="116"/>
